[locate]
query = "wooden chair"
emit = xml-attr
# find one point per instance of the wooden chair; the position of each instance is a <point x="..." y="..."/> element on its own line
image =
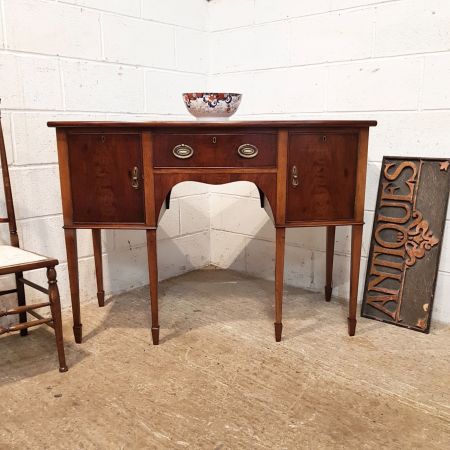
<point x="14" y="260"/>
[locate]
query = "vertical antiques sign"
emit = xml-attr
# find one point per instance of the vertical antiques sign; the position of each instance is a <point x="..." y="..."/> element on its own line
<point x="406" y="241"/>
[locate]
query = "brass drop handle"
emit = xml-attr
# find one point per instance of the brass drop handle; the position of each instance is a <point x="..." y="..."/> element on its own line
<point x="183" y="151"/>
<point x="247" y="151"/>
<point x="294" y="176"/>
<point x="134" y="175"/>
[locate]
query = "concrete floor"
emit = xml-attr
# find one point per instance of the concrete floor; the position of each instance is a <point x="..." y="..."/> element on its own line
<point x="219" y="381"/>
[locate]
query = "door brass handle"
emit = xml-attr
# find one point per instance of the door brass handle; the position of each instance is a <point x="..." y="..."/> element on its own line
<point x="134" y="175"/>
<point x="294" y="176"/>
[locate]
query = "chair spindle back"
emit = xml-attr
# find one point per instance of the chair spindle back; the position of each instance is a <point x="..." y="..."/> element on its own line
<point x="11" y="217"/>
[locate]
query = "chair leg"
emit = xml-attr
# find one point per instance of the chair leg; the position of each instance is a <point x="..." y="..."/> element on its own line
<point x="21" y="301"/>
<point x="55" y="306"/>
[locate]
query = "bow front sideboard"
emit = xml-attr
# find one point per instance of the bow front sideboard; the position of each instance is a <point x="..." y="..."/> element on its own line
<point x="119" y="175"/>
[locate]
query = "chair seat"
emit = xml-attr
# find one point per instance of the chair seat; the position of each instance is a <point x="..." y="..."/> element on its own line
<point x="13" y="259"/>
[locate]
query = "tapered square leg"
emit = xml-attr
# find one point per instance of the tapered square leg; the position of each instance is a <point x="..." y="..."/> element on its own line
<point x="331" y="232"/>
<point x="153" y="277"/>
<point x="97" y="244"/>
<point x="279" y="278"/>
<point x="351" y="323"/>
<point x="72" y="266"/>
<point x="354" y="276"/>
<point x="278" y="331"/>
<point x="155" y="335"/>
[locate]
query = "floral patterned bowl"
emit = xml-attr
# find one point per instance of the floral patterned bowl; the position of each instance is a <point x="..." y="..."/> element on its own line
<point x="211" y="105"/>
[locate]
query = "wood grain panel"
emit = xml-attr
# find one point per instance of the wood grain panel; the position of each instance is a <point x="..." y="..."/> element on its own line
<point x="100" y="166"/>
<point x="326" y="165"/>
<point x="215" y="150"/>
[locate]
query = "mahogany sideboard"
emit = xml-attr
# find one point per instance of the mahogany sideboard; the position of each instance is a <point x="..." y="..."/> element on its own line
<point x="119" y="175"/>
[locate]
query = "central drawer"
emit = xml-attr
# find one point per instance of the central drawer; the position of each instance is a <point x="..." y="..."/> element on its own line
<point x="215" y="150"/>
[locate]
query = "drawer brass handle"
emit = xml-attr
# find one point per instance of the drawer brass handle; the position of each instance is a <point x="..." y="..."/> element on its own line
<point x="183" y="151"/>
<point x="247" y="151"/>
<point x="294" y="176"/>
<point x="134" y="174"/>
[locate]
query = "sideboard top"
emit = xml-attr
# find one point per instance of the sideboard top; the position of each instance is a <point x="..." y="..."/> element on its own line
<point x="227" y="124"/>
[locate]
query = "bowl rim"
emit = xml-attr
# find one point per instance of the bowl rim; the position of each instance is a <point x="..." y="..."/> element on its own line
<point x="212" y="93"/>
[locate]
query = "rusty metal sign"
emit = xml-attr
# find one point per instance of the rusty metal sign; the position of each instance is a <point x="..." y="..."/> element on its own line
<point x="406" y="241"/>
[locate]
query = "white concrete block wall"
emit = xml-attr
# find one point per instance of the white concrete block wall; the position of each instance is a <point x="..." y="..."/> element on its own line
<point x="387" y="60"/>
<point x="355" y="59"/>
<point x="98" y="60"/>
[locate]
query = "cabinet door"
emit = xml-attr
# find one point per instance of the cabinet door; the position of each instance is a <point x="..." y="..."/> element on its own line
<point x="325" y="165"/>
<point x="101" y="169"/>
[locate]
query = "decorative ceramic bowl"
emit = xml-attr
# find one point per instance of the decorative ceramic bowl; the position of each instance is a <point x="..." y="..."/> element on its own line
<point x="211" y="105"/>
